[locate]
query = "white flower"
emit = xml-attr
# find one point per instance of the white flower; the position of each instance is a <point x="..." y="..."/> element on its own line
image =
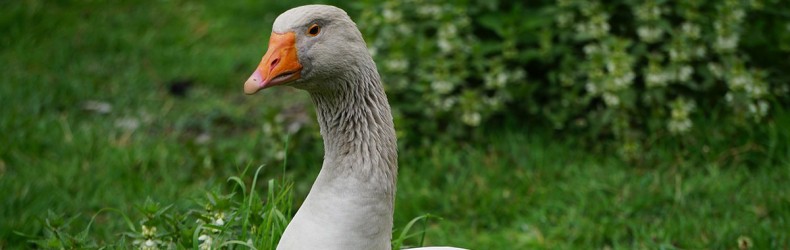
<point x="442" y="86"/>
<point x="624" y="80"/>
<point x="755" y="90"/>
<point x="404" y="29"/>
<point x="591" y="88"/>
<point x="149" y="245"/>
<point x="491" y="101"/>
<point x="649" y="34"/>
<point x="397" y="65"/>
<point x="564" y="19"/>
<point x="759" y="109"/>
<point x="726" y="43"/>
<point x="740" y="81"/>
<point x="763" y="107"/>
<point x="471" y="119"/>
<point x="391" y="16"/>
<point x="677" y="53"/>
<point x="685" y="73"/>
<point x="700" y="51"/>
<point x="97" y="106"/>
<point x="148" y="232"/>
<point x="206" y="242"/>
<point x="448" y="103"/>
<point x="429" y="10"/>
<point x="611" y="99"/>
<point x="679" y="126"/>
<point x="647" y="12"/>
<point x="499" y="80"/>
<point x="445" y="45"/>
<point x="128" y="123"/>
<point x="656" y="79"/>
<point x="738" y="15"/>
<point x="219" y="219"/>
<point x="448" y="31"/>
<point x="691" y="30"/>
<point x="590" y="49"/>
<point x="715" y="69"/>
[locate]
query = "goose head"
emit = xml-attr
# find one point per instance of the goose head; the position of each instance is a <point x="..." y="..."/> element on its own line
<point x="309" y="45"/>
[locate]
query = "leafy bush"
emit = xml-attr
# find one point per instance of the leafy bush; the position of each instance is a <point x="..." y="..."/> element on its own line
<point x="621" y="69"/>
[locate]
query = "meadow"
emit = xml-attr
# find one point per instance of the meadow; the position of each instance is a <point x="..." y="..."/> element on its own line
<point x="119" y="115"/>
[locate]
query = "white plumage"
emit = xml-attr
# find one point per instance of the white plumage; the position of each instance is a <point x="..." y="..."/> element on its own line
<point x="319" y="49"/>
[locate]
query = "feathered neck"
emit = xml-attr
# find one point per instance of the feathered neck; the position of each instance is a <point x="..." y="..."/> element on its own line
<point x="351" y="203"/>
<point x="357" y="128"/>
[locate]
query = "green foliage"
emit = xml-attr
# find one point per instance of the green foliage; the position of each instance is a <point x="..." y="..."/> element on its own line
<point x="623" y="69"/>
<point x="89" y="132"/>
<point x="228" y="221"/>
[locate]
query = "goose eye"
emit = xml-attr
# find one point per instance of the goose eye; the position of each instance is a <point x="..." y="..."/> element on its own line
<point x="314" y="30"/>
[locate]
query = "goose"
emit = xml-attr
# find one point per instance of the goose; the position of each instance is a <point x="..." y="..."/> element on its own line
<point x="319" y="49"/>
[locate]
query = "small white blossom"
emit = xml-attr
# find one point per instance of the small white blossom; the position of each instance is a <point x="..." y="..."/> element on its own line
<point x="391" y="16"/>
<point x="700" y="51"/>
<point x="499" y="80"/>
<point x="397" y="65"/>
<point x="684" y="73"/>
<point x="442" y="86"/>
<point x="97" y="106"/>
<point x="128" y="123"/>
<point x="219" y="219"/>
<point x="471" y="119"/>
<point x="680" y="121"/>
<point x="678" y="54"/>
<point x="591" y="88"/>
<point x="205" y="242"/>
<point x="429" y="10"/>
<point x="624" y="80"/>
<point x="590" y="49"/>
<point x="445" y="45"/>
<point x="649" y="34"/>
<point x="404" y="29"/>
<point x="738" y="15"/>
<point x="715" y="69"/>
<point x="759" y="109"/>
<point x="448" y="103"/>
<point x="149" y="245"/>
<point x="755" y="90"/>
<point x="564" y="19"/>
<point x="740" y="81"/>
<point x="726" y="43"/>
<point x="148" y="232"/>
<point x="653" y="79"/>
<point x="679" y="126"/>
<point x="611" y="99"/>
<point x="691" y="30"/>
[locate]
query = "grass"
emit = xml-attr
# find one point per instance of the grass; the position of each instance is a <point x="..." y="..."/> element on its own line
<point x="104" y="172"/>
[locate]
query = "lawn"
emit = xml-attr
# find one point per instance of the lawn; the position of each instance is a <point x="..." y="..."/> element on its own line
<point x="107" y="105"/>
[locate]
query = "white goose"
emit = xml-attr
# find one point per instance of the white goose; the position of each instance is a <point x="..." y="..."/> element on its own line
<point x="319" y="49"/>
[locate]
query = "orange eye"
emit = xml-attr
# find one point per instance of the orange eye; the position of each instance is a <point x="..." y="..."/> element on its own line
<point x="314" y="30"/>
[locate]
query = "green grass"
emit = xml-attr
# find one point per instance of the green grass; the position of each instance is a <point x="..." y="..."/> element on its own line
<point x="517" y="189"/>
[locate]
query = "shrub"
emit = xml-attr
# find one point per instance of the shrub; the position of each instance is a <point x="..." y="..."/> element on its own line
<point x="620" y="70"/>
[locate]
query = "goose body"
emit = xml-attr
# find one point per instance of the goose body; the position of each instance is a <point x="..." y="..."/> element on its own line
<point x="318" y="48"/>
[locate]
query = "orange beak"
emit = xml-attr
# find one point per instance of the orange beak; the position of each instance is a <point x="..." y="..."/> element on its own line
<point x="280" y="64"/>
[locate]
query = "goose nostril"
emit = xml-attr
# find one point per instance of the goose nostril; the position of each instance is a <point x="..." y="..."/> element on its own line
<point x="275" y="62"/>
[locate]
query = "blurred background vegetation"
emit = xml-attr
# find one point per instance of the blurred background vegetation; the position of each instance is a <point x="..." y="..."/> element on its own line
<point x="541" y="124"/>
